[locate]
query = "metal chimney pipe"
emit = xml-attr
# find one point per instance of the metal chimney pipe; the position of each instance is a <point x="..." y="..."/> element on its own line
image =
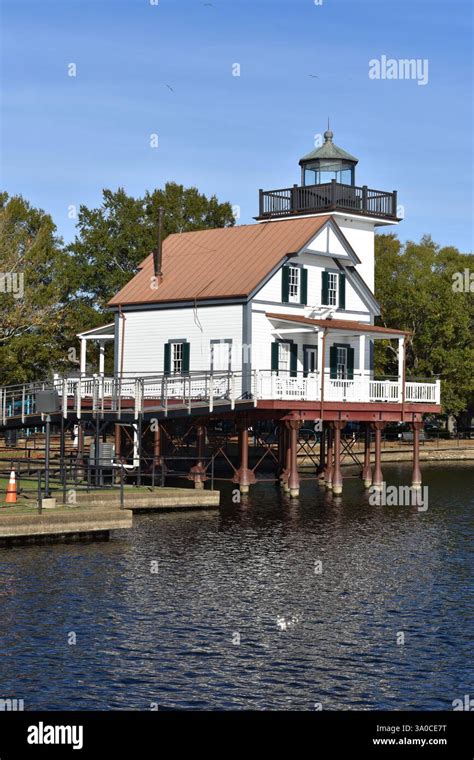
<point x="157" y="253"/>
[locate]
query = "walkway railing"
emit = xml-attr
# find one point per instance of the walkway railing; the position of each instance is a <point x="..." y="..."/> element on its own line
<point x="167" y="392"/>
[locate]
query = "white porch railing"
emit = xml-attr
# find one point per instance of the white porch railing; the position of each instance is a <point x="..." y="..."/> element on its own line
<point x="271" y="385"/>
<point x="164" y="392"/>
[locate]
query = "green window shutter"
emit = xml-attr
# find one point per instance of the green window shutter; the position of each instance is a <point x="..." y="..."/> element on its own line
<point x="293" y="359"/>
<point x="304" y="286"/>
<point x="305" y="363"/>
<point x="167" y="362"/>
<point x="186" y="347"/>
<point x="285" y="284"/>
<point x="342" y="291"/>
<point x="350" y="363"/>
<point x="324" y="288"/>
<point x="274" y="357"/>
<point x="333" y="362"/>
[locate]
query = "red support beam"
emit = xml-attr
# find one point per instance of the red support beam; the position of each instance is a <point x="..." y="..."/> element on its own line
<point x="329" y="460"/>
<point x="157" y="445"/>
<point x="197" y="473"/>
<point x="367" y="469"/>
<point x="416" y="474"/>
<point x="337" y="474"/>
<point x="244" y="476"/>
<point x="118" y="441"/>
<point x="322" y="454"/>
<point x="294" y="479"/>
<point x="377" y="481"/>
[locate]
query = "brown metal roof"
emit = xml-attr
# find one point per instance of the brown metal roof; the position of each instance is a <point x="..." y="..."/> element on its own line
<point x="219" y="263"/>
<point x="336" y="324"/>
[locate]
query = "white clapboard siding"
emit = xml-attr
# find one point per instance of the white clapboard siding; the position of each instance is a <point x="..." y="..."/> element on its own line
<point x="146" y="333"/>
<point x="271" y="292"/>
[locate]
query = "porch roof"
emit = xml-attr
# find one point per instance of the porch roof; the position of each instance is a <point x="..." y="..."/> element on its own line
<point x="340" y="325"/>
<point x="104" y="332"/>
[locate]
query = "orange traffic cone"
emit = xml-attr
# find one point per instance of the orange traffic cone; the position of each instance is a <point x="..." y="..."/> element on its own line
<point x="11" y="488"/>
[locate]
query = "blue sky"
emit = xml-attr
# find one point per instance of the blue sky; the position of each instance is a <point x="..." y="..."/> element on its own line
<point x="65" y="138"/>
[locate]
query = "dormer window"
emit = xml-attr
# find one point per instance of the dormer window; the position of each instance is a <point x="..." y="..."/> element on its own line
<point x="294" y="284"/>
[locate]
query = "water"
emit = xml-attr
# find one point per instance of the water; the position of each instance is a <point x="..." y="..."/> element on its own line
<point x="305" y="638"/>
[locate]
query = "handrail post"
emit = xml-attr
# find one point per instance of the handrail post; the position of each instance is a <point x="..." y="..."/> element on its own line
<point x="260" y="202"/>
<point x="333" y="193"/>
<point x="394" y="203"/>
<point x="364" y="198"/>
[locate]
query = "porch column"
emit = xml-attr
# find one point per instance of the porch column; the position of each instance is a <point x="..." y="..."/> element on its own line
<point x="198" y="471"/>
<point x="244" y="476"/>
<point x="367" y="469"/>
<point x="416" y="474"/>
<point x="101" y="357"/>
<point x="401" y="368"/>
<point x="320" y="354"/>
<point x="377" y="481"/>
<point x="362" y="355"/>
<point x="83" y="356"/>
<point x="293" y="479"/>
<point x="337" y="474"/>
<point x="329" y="460"/>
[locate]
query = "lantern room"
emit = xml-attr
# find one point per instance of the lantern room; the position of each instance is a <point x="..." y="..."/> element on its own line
<point x="327" y="163"/>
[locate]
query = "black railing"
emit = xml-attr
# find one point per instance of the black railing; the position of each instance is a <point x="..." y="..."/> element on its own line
<point x="330" y="196"/>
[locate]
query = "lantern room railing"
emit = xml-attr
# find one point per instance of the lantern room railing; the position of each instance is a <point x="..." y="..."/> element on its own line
<point x="331" y="196"/>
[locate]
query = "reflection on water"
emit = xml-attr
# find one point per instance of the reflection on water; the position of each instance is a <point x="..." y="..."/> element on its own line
<point x="344" y="577"/>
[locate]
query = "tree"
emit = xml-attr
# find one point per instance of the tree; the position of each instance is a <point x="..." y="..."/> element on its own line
<point x="34" y="289"/>
<point x="113" y="239"/>
<point x="414" y="285"/>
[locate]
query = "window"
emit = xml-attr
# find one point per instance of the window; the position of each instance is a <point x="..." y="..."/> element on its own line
<point x="283" y="357"/>
<point x="176" y="358"/>
<point x="221" y="355"/>
<point x="332" y="289"/>
<point x="310" y="360"/>
<point x="341" y="363"/>
<point x="294" y="284"/>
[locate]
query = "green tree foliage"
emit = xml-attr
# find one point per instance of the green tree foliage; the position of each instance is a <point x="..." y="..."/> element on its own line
<point x="414" y="285"/>
<point x="34" y="292"/>
<point x="113" y="239"/>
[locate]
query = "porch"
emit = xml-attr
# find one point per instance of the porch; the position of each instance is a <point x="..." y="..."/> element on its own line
<point x="317" y="387"/>
<point x="216" y="392"/>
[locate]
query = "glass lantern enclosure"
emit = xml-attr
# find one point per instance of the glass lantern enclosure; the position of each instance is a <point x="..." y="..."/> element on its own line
<point x="324" y="170"/>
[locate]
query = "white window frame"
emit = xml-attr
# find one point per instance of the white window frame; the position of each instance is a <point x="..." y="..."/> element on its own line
<point x="176" y="359"/>
<point x="284" y="359"/>
<point x="342" y="366"/>
<point x="294" y="284"/>
<point x="333" y="289"/>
